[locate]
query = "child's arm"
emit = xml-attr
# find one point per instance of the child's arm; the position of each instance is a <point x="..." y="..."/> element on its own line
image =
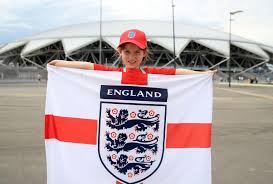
<point x="73" y="64"/>
<point x="186" y="71"/>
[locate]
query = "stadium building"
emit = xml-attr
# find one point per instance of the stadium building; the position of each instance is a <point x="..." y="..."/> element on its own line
<point x="196" y="47"/>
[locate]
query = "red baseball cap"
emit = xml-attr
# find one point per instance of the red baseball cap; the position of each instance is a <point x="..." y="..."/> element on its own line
<point x="134" y="36"/>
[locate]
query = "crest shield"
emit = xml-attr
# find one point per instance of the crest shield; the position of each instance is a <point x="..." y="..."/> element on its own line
<point x="131" y="139"/>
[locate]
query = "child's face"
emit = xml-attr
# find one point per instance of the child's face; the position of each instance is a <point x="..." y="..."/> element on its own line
<point x="132" y="56"/>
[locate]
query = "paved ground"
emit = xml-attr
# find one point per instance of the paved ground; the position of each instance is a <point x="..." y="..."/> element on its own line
<point x="242" y="134"/>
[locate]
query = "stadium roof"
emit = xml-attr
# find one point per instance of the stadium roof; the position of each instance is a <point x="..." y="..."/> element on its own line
<point x="78" y="36"/>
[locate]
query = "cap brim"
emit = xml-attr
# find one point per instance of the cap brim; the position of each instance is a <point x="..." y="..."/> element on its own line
<point x="134" y="42"/>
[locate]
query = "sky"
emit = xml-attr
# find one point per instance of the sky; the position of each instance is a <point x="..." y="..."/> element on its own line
<point x="22" y="18"/>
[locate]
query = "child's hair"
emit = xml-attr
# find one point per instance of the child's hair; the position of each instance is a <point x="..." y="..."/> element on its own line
<point x="121" y="47"/>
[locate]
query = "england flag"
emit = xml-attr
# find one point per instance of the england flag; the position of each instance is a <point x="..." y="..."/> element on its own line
<point x="102" y="130"/>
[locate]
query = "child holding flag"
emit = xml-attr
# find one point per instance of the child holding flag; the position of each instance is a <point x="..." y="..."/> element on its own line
<point x="130" y="120"/>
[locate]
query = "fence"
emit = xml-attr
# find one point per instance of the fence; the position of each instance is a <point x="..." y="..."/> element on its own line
<point x="29" y="73"/>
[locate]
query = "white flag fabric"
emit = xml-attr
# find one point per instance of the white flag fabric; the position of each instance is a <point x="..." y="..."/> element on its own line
<point x="98" y="130"/>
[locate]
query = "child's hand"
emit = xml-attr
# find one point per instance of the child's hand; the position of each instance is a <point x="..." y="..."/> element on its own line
<point x="211" y="71"/>
<point x="53" y="62"/>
